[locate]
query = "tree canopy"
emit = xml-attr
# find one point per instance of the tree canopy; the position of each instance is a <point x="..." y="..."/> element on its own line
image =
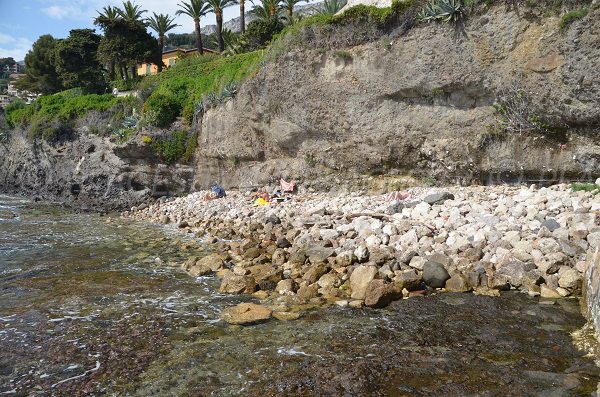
<point x="127" y="43"/>
<point x="40" y="72"/>
<point x="77" y="63"/>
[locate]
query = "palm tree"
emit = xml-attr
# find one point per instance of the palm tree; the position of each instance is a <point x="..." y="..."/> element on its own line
<point x="161" y="24"/>
<point x="131" y="12"/>
<point x="242" y="16"/>
<point x="109" y="14"/>
<point x="289" y="6"/>
<point x="266" y="9"/>
<point x="217" y="7"/>
<point x="195" y="9"/>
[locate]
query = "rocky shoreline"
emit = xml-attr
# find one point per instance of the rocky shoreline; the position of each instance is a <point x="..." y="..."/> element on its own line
<point x="357" y="250"/>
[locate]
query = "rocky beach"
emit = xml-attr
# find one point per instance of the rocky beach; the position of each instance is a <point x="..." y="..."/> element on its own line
<point x="354" y="250"/>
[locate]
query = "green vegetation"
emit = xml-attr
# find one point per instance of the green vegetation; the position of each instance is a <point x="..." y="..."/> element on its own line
<point x="571" y="17"/>
<point x="189" y="80"/>
<point x="441" y="10"/>
<point x="345" y="55"/>
<point x="52" y="115"/>
<point x="585" y="187"/>
<point x="172" y="147"/>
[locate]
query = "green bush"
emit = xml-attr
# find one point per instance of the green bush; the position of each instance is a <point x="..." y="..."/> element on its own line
<point x="585" y="187"/>
<point x="345" y="55"/>
<point x="15" y="113"/>
<point x="261" y="32"/>
<point x="161" y="110"/>
<point x="126" y="85"/>
<point x="190" y="79"/>
<point x="171" y="148"/>
<point x="571" y="17"/>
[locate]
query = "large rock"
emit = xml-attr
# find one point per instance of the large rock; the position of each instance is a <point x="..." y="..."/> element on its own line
<point x="379" y="294"/>
<point x="315" y="272"/>
<point x="245" y="314"/>
<point x="408" y="279"/>
<point x="515" y="271"/>
<point x="360" y="279"/>
<point x="570" y="279"/>
<point x="434" y="274"/>
<point x="457" y="283"/>
<point x="207" y="265"/>
<point x="438" y="198"/>
<point x="266" y="272"/>
<point x="237" y="284"/>
<point x="318" y="254"/>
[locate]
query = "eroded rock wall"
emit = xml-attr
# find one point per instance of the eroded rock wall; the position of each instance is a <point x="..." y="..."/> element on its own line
<point x="418" y="105"/>
<point x="87" y="172"/>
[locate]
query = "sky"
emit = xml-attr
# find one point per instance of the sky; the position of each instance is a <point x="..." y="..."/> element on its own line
<point x="23" y="21"/>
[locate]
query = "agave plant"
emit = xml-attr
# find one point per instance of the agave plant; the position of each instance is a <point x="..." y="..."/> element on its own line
<point x="230" y="90"/>
<point x="212" y="100"/>
<point x="441" y="10"/>
<point x="331" y="7"/>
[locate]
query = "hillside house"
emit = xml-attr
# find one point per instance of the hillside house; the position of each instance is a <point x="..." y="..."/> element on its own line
<point x="169" y="58"/>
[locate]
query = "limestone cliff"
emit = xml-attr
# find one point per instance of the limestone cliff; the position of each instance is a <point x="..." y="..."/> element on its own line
<point x="373" y="110"/>
<point x="415" y="105"/>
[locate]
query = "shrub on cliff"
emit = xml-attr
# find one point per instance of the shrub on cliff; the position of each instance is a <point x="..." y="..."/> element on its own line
<point x="172" y="147"/>
<point x="160" y="110"/>
<point x="184" y="84"/>
<point x="260" y="32"/>
<point x="52" y="115"/>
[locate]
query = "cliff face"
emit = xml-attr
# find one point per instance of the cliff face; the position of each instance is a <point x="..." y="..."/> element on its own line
<point x="87" y="172"/>
<point x="417" y="105"/>
<point x="373" y="116"/>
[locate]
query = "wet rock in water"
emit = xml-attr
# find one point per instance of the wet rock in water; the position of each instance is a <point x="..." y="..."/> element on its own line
<point x="164" y="219"/>
<point x="515" y="271"/>
<point x="286" y="287"/>
<point x="286" y="316"/>
<point x="570" y="279"/>
<point x="308" y="292"/>
<point x="237" y="284"/>
<point x="314" y="273"/>
<point x="266" y="272"/>
<point x="360" y="279"/>
<point x="457" y="283"/>
<point x="183" y="224"/>
<point x="434" y="274"/>
<point x="408" y="279"/>
<point x="379" y="294"/>
<point x="245" y="314"/>
<point x="437" y="198"/>
<point x="266" y="285"/>
<point x="547" y="292"/>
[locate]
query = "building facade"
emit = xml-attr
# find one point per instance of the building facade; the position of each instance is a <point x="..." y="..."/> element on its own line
<point x="169" y="58"/>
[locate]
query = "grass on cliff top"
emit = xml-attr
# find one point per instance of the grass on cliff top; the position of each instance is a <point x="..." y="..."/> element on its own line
<point x="65" y="106"/>
<point x="184" y="84"/>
